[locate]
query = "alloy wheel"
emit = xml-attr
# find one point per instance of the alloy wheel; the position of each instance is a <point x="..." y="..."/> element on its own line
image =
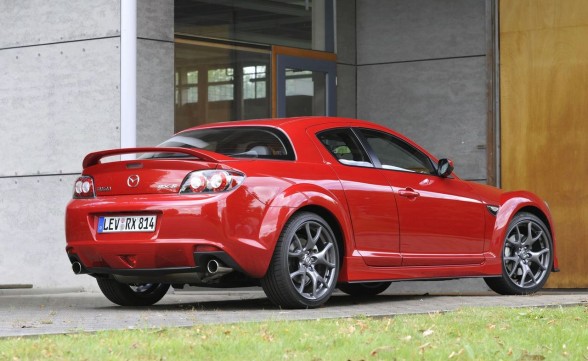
<point x="312" y="260"/>
<point x="527" y="254"/>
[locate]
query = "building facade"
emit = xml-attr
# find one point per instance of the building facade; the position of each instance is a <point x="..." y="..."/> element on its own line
<point x="82" y="76"/>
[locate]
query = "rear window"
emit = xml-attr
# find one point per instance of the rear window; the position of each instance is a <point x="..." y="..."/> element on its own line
<point x="237" y="142"/>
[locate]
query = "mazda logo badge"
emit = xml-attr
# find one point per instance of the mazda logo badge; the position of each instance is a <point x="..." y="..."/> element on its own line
<point x="133" y="181"/>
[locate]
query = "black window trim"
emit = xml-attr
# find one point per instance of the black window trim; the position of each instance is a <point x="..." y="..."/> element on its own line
<point x="367" y="147"/>
<point x="359" y="143"/>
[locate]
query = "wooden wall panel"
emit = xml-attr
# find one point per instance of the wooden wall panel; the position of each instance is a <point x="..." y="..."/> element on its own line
<point x="544" y="118"/>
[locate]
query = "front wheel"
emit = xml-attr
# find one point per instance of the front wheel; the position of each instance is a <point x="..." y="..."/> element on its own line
<point x="305" y="265"/>
<point x="527" y="257"/>
<point x="132" y="295"/>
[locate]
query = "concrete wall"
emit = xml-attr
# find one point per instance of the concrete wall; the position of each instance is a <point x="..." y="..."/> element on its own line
<point x="60" y="99"/>
<point x="155" y="71"/>
<point x="420" y="68"/>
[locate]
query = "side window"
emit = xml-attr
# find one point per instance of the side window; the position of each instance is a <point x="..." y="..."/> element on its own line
<point x="345" y="147"/>
<point x="395" y="154"/>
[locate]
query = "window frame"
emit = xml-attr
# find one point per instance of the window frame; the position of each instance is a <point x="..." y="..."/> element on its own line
<point x="358" y="141"/>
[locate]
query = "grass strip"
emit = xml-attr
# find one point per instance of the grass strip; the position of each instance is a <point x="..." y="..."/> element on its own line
<point x="559" y="333"/>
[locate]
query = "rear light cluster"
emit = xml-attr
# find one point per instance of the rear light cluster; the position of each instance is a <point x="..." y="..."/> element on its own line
<point x="84" y="187"/>
<point x="206" y="181"/>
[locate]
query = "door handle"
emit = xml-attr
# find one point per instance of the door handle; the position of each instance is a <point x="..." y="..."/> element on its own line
<point x="408" y="193"/>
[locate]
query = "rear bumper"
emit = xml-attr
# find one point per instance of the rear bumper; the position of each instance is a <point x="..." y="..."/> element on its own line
<point x="201" y="260"/>
<point x="227" y="272"/>
<point x="226" y="223"/>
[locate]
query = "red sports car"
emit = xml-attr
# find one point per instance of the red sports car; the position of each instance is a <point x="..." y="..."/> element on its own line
<point x="300" y="206"/>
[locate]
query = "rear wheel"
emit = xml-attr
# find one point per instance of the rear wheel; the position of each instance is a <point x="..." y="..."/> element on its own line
<point x="305" y="265"/>
<point x="364" y="289"/>
<point x="132" y="295"/>
<point x="527" y="257"/>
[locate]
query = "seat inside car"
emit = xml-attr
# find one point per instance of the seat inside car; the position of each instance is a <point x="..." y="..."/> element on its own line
<point x="260" y="150"/>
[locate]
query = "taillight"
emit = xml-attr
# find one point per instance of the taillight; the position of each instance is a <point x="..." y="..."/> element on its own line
<point x="207" y="181"/>
<point x="84" y="187"/>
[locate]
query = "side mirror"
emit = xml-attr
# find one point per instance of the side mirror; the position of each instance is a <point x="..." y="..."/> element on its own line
<point x="444" y="168"/>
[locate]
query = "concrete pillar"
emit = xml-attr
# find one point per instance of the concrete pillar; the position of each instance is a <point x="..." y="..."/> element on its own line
<point x="345" y="37"/>
<point x="155" y="71"/>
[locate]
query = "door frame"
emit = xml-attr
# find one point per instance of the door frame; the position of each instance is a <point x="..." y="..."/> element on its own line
<point x="285" y="57"/>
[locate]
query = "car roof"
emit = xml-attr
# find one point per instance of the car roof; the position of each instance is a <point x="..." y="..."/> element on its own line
<point x="284" y="123"/>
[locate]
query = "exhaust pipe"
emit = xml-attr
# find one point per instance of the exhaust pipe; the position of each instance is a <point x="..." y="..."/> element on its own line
<point x="215" y="267"/>
<point x="77" y="268"/>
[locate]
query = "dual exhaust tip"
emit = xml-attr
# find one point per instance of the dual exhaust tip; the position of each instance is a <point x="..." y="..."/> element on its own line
<point x="213" y="267"/>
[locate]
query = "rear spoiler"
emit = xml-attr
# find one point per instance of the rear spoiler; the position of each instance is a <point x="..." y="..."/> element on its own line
<point x="205" y="155"/>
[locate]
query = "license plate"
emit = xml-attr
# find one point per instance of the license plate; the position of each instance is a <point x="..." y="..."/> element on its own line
<point x="127" y="224"/>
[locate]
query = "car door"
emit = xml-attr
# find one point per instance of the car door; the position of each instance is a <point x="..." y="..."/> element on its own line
<point x="441" y="222"/>
<point x="371" y="203"/>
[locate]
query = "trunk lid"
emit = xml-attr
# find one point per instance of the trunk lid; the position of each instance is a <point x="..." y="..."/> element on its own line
<point x="148" y="176"/>
<point x="161" y="171"/>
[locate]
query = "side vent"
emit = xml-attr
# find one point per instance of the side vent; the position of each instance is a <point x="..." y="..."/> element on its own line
<point x="493" y="209"/>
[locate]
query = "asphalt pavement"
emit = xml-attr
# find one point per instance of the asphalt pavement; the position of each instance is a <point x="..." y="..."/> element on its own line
<point x="36" y="312"/>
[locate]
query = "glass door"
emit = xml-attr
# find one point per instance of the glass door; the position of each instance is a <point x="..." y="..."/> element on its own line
<point x="220" y="81"/>
<point x="305" y="82"/>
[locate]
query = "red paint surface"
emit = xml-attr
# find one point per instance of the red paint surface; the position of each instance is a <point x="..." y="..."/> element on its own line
<point x="393" y="225"/>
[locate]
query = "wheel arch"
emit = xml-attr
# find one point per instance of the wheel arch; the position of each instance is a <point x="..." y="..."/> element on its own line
<point x="309" y="198"/>
<point x="539" y="214"/>
<point x="515" y="203"/>
<point x="521" y="256"/>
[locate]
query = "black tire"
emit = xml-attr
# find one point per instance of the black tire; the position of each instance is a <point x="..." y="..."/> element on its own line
<point x="305" y="265"/>
<point x="527" y="257"/>
<point x="367" y="289"/>
<point x="135" y="295"/>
